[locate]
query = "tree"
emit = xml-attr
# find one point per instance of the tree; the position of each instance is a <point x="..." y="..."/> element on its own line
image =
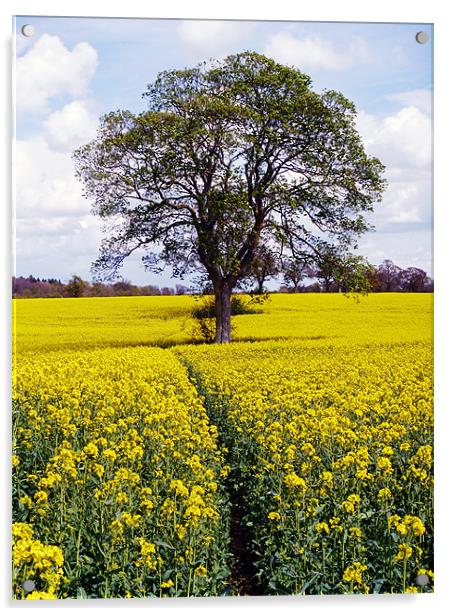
<point x="388" y="276"/>
<point x="263" y="266"/>
<point x="328" y="268"/>
<point x="182" y="289"/>
<point x="413" y="279"/>
<point x="75" y="287"/>
<point x="124" y="288"/>
<point x="227" y="153"/>
<point x="354" y="275"/>
<point x="294" y="271"/>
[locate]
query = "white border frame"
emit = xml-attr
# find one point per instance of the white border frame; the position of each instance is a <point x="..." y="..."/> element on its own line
<point x="433" y="11"/>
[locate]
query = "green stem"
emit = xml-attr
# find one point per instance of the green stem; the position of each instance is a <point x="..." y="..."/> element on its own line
<point x="404" y="574"/>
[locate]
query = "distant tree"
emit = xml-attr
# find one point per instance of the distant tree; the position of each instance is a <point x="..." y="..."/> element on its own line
<point x="124" y="287"/>
<point x="227" y="154"/>
<point x="413" y="279"/>
<point x="327" y="269"/>
<point x="264" y="266"/>
<point x="429" y="285"/>
<point x="182" y="289"/>
<point x="294" y="272"/>
<point x="167" y="291"/>
<point x="371" y="277"/>
<point x="99" y="289"/>
<point x="388" y="276"/>
<point x="150" y="289"/>
<point x="75" y="287"/>
<point x="311" y="288"/>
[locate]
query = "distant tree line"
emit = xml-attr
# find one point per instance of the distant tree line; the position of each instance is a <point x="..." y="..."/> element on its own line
<point x="297" y="278"/>
<point x="77" y="287"/>
<point x="384" y="278"/>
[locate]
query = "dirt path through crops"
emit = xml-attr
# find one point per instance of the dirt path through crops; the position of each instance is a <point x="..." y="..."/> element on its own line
<point x="243" y="579"/>
<point x="243" y="575"/>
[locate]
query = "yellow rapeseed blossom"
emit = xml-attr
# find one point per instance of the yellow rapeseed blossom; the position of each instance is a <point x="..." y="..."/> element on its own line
<point x="339" y="427"/>
<point x="405" y="551"/>
<point x="329" y="419"/>
<point x="274" y="515"/>
<point x="354" y="573"/>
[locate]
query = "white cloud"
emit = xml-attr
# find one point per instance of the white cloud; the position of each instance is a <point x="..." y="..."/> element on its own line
<point x="45" y="182"/>
<point x="403" y="143"/>
<point x="57" y="247"/>
<point x="404" y="249"/>
<point x="49" y="69"/>
<point x="213" y="37"/>
<point x="315" y="52"/>
<point x="71" y="127"/>
<point x="400" y="140"/>
<point x="406" y="201"/>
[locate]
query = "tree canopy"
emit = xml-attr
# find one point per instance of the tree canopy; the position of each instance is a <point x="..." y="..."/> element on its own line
<point x="230" y="154"/>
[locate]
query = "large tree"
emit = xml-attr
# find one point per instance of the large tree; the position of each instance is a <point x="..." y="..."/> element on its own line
<point x="229" y="152"/>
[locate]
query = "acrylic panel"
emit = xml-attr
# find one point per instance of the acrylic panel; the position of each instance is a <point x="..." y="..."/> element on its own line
<point x="222" y="303"/>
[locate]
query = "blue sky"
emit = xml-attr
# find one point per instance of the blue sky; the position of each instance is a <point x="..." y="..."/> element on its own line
<point x="75" y="69"/>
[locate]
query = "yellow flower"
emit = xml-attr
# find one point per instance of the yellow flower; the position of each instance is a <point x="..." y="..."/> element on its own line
<point x="308" y="449"/>
<point x="181" y="531"/>
<point x="350" y="503"/>
<point x="146" y="547"/>
<point x="179" y="488"/>
<point x="39" y="594"/>
<point x="327" y="479"/>
<point x="384" y="493"/>
<point x="404" y="553"/>
<point x="322" y="527"/>
<point x="385" y="465"/>
<point x="26" y="501"/>
<point x="130" y="520"/>
<point x="354" y="573"/>
<point x="292" y="480"/>
<point x="110" y="454"/>
<point x="91" y="450"/>
<point x="201" y="571"/>
<point x="225" y="471"/>
<point x="274" y="515"/>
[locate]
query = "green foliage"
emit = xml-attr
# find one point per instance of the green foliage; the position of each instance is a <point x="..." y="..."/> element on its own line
<point x="75" y="287"/>
<point x="234" y="128"/>
<point x="229" y="154"/>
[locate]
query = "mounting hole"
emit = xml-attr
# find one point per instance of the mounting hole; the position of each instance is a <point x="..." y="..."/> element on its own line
<point x="28" y="586"/>
<point x="28" y="30"/>
<point x="422" y="37"/>
<point x="422" y="579"/>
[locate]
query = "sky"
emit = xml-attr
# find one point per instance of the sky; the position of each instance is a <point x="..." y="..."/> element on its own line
<point x="73" y="70"/>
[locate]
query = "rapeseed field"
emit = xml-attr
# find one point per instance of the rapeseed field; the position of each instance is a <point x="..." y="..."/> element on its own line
<point x="127" y="457"/>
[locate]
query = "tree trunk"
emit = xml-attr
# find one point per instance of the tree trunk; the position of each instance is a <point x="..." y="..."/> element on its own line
<point x="223" y="313"/>
<point x="260" y="286"/>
